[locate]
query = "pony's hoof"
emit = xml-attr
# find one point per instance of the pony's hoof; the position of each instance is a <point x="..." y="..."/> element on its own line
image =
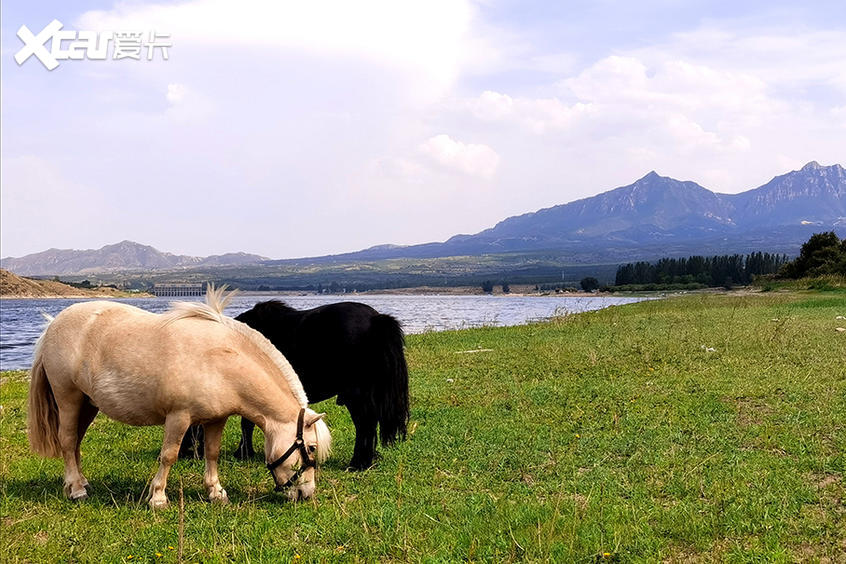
<point x="158" y="504"/>
<point x="221" y="498"/>
<point x="75" y="494"/>
<point x="358" y="466"/>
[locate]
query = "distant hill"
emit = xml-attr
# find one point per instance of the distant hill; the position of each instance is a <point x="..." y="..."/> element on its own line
<point x="14" y="286"/>
<point x="122" y="256"/>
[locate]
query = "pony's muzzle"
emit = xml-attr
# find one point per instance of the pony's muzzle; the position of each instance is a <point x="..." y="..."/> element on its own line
<point x="301" y="491"/>
<point x="295" y="492"/>
<point x="294" y="489"/>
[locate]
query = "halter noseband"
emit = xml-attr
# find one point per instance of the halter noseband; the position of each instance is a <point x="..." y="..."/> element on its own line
<point x="299" y="444"/>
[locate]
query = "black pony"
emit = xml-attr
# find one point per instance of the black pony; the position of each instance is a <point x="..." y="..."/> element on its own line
<point x="347" y="350"/>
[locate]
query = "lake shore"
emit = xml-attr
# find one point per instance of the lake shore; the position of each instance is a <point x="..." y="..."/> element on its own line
<point x="74" y="296"/>
<point x="14" y="287"/>
<point x="516" y="290"/>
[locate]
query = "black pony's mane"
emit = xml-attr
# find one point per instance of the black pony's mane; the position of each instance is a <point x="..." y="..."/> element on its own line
<point x="277" y="306"/>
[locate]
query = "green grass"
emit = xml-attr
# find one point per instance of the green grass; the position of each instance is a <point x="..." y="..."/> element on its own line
<point x="616" y="432"/>
<point x="826" y="283"/>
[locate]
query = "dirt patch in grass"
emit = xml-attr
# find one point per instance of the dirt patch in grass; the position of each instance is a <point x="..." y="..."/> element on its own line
<point x="825" y="480"/>
<point x="750" y="411"/>
<point x="689" y="555"/>
<point x="829" y="486"/>
<point x="816" y="553"/>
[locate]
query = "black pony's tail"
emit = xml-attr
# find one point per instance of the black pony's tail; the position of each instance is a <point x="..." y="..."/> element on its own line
<point x="391" y="393"/>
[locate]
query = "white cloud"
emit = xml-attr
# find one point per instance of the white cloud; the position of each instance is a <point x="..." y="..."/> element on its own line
<point x="186" y="104"/>
<point x="537" y="114"/>
<point x="651" y="105"/>
<point x="644" y="88"/>
<point x="402" y="169"/>
<point x="469" y="158"/>
<point x="610" y="78"/>
<point x="175" y="93"/>
<point x="429" y="41"/>
<point x="492" y="106"/>
<point x="778" y="56"/>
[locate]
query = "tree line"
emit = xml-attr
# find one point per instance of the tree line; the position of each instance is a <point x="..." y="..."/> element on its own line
<point x="720" y="270"/>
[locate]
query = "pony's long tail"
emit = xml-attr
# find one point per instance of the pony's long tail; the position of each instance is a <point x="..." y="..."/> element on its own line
<point x="387" y="340"/>
<point x="42" y="418"/>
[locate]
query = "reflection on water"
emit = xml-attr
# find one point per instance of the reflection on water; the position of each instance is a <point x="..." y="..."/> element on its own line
<point x="21" y="321"/>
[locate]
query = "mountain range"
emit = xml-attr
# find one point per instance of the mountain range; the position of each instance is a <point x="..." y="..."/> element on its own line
<point x="652" y="217"/>
<point x="658" y="212"/>
<point x="126" y="255"/>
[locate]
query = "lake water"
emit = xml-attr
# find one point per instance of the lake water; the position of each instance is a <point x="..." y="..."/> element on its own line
<point x="21" y="321"/>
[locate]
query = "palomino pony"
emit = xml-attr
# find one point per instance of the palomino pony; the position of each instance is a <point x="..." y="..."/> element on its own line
<point x="189" y="365"/>
<point x="347" y="350"/>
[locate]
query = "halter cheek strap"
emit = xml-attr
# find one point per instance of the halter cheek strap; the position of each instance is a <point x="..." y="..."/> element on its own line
<point x="299" y="444"/>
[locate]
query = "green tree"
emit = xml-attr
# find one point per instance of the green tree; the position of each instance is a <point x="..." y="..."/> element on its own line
<point x="823" y="253"/>
<point x="589" y="284"/>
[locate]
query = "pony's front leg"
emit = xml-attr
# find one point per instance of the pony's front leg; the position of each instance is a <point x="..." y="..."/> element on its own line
<point x="213" y="433"/>
<point x="175" y="426"/>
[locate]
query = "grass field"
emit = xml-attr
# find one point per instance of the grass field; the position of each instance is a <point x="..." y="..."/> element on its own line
<point x="699" y="428"/>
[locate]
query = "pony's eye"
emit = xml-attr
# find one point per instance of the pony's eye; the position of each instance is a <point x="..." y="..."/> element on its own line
<point x="312" y="448"/>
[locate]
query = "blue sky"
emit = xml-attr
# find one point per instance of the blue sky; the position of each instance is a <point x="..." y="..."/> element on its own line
<point x="293" y="129"/>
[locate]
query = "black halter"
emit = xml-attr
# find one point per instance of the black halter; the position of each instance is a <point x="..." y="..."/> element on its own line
<point x="299" y="444"/>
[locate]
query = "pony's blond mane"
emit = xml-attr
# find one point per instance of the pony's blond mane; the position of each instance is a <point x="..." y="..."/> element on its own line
<point x="212" y="309"/>
<point x="324" y="441"/>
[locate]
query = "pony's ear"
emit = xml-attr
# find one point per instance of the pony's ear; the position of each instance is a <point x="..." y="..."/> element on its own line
<point x="311" y="418"/>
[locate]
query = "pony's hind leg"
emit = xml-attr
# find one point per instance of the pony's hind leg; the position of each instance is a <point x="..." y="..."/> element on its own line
<point x="365" y="434"/>
<point x="176" y="423"/>
<point x="87" y="413"/>
<point x="192" y="443"/>
<point x="70" y="407"/>
<point x="213" y="431"/>
<point x="245" y="448"/>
